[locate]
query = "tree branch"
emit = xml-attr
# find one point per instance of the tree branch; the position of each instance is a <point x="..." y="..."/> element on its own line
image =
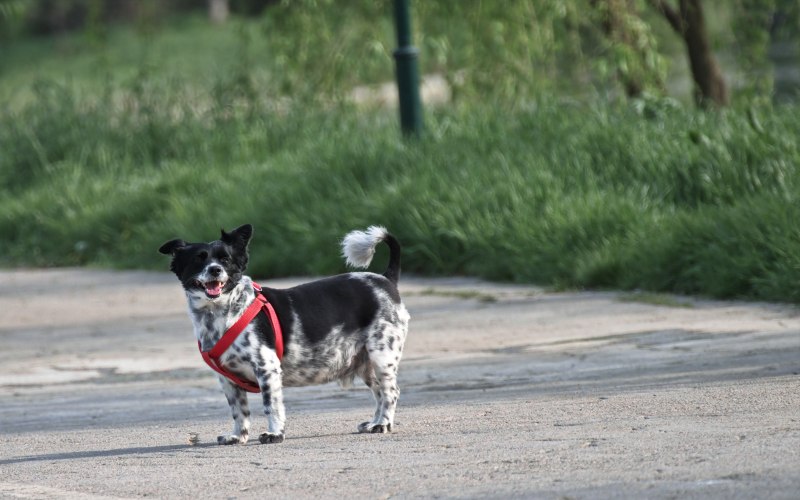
<point x="672" y="16"/>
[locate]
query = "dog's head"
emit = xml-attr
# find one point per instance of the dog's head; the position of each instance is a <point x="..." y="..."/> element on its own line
<point x="210" y="270"/>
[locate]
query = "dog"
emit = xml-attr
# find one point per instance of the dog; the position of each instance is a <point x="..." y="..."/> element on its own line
<point x="335" y="328"/>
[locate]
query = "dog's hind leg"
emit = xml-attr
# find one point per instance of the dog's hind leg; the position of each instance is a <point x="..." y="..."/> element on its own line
<point x="268" y="373"/>
<point x="384" y="352"/>
<point x="368" y="376"/>
<point x="237" y="399"/>
<point x="384" y="388"/>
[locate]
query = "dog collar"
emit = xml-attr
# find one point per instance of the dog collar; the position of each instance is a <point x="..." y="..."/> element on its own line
<point x="212" y="356"/>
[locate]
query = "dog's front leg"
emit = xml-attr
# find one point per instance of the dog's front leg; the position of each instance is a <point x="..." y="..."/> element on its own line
<point x="237" y="399"/>
<point x="269" y="375"/>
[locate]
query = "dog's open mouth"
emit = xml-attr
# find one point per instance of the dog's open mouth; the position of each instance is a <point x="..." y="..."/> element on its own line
<point x="213" y="288"/>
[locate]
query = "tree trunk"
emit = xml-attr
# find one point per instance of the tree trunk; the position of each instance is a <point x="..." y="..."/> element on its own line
<point x="218" y="11"/>
<point x="689" y="22"/>
<point x="710" y="86"/>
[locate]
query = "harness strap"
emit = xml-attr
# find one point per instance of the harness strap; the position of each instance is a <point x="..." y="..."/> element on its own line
<point x="212" y="356"/>
<point x="214" y="364"/>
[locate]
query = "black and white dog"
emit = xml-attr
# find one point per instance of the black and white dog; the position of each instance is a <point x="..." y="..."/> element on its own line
<point x="335" y="328"/>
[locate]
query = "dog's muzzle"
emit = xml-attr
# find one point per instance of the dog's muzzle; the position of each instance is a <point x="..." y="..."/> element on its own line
<point x="213" y="280"/>
<point x="213" y="288"/>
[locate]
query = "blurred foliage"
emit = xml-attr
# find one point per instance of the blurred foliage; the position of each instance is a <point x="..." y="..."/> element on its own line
<point x="508" y="50"/>
<point x="339" y="47"/>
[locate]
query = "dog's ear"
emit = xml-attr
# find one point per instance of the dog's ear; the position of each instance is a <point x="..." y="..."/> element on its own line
<point x="172" y="246"/>
<point x="239" y="237"/>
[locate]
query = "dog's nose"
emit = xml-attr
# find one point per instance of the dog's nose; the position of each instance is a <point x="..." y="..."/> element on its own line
<point x="215" y="270"/>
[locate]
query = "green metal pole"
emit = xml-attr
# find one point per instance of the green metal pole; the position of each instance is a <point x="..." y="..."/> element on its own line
<point x="406" y="56"/>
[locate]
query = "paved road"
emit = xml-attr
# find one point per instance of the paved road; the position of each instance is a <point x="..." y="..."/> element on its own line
<point x="507" y="392"/>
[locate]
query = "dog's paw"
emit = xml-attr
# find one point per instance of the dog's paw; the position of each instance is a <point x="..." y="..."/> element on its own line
<point x="267" y="438"/>
<point x="232" y="439"/>
<point x="369" y="427"/>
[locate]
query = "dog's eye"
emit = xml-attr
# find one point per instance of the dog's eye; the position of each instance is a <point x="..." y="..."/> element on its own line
<point x="202" y="256"/>
<point x="224" y="260"/>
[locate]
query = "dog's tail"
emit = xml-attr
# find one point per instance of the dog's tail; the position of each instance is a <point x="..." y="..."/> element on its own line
<point x="358" y="248"/>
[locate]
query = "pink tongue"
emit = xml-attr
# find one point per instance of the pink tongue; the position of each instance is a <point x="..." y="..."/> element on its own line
<point x="214" y="288"/>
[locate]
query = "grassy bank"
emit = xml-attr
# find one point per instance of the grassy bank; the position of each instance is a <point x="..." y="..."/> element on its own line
<point x="655" y="196"/>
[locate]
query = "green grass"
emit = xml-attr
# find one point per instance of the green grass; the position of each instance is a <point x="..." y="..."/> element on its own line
<point x="655" y="299"/>
<point x="187" y="49"/>
<point x="568" y="195"/>
<point x="477" y="295"/>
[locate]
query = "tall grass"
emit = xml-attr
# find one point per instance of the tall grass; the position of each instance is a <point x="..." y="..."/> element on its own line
<point x="651" y="196"/>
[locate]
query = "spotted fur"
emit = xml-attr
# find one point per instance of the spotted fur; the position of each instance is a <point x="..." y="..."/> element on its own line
<point x="335" y="329"/>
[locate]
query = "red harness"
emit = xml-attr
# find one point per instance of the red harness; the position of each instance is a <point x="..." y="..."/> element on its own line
<point x="211" y="357"/>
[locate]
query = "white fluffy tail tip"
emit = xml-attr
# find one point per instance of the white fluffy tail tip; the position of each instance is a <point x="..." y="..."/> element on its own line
<point x="358" y="247"/>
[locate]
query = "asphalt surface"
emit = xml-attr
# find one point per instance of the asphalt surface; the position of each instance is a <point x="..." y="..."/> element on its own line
<point x="507" y="392"/>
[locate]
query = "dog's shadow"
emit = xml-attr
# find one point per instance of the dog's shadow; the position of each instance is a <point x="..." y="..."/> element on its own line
<point x="141" y="450"/>
<point x="121" y="452"/>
